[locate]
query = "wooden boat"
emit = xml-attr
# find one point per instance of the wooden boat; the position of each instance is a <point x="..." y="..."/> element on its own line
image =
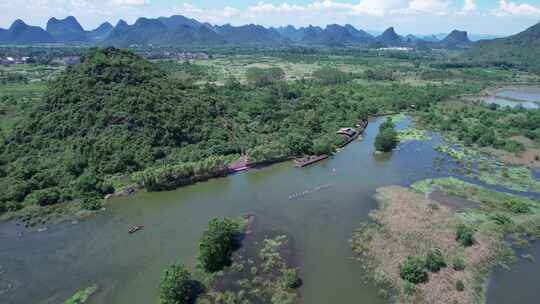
<point x="135" y="229"/>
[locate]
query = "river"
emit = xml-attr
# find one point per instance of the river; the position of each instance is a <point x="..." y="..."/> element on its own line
<point x="48" y="267"/>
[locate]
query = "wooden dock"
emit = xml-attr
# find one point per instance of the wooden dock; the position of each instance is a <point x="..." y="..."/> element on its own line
<point x="240" y="165"/>
<point x="303" y="162"/>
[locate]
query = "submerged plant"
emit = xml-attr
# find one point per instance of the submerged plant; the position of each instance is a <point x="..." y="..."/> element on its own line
<point x="290" y="279"/>
<point x="82" y="296"/>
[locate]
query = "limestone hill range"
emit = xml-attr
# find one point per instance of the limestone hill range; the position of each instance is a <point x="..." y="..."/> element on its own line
<point x="180" y="31"/>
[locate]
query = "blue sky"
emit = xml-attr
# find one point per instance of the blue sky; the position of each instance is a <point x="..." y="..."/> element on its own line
<point x="498" y="17"/>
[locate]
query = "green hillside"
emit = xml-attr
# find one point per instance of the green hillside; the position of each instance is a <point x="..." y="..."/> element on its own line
<point x="117" y="118"/>
<point x="522" y="49"/>
<point x="114" y="113"/>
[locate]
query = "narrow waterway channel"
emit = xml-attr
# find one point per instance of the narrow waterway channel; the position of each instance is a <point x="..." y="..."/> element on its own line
<point x="48" y="267"/>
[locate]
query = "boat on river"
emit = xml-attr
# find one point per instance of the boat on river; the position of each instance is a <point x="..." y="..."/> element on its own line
<point x="135" y="229"/>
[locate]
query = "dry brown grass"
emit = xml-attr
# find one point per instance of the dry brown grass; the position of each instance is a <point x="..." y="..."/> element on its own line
<point x="527" y="158"/>
<point x="411" y="226"/>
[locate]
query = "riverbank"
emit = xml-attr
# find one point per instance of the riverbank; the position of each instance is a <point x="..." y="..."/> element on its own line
<point x="38" y="218"/>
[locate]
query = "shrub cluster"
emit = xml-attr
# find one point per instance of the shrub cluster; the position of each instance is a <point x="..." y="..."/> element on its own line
<point x="435" y="260"/>
<point x="178" y="287"/>
<point x="458" y="264"/>
<point x="217" y="244"/>
<point x="465" y="235"/>
<point x="415" y="269"/>
<point x="387" y="139"/>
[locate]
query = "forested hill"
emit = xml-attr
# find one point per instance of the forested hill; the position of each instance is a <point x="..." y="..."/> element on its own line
<point x="117" y="118"/>
<point x="114" y="113"/>
<point x="521" y="49"/>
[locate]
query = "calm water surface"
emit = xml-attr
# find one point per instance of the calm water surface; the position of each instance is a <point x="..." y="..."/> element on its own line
<point x="524" y="93"/>
<point x="48" y="267"/>
<point x="519" y="284"/>
<point x="526" y="97"/>
<point x="529" y="105"/>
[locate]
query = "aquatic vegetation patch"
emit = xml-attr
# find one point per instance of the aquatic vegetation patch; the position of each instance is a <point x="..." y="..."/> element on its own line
<point x="455" y="152"/>
<point x="528" y="257"/>
<point x="471" y="163"/>
<point x="515" y="178"/>
<point x="396" y="118"/>
<point x="261" y="273"/>
<point x="412" y="134"/>
<point x="82" y="296"/>
<point x="260" y="270"/>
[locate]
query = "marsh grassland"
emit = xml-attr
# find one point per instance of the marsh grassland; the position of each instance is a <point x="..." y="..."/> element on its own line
<point x="467" y="242"/>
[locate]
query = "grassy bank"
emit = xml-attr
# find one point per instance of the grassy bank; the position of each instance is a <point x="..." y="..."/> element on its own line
<point x="38" y="217"/>
<point x="498" y="212"/>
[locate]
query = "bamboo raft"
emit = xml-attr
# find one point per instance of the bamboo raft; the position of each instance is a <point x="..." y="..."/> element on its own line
<point x="308" y="191"/>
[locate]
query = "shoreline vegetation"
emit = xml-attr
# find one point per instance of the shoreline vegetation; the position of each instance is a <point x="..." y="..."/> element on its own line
<point x="82" y="296"/>
<point x="201" y="128"/>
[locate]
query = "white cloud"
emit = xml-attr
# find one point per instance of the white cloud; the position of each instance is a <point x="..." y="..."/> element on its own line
<point x="377" y="7"/>
<point x="437" y="7"/>
<point x="512" y="8"/>
<point x="469" y="6"/>
<point x="129" y="2"/>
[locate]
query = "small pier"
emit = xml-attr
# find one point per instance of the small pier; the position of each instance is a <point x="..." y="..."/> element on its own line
<point x="306" y="161"/>
<point x="240" y="165"/>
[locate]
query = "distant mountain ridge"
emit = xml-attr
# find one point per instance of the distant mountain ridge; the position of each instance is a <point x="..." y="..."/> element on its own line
<point x="66" y="30"/>
<point x="456" y="39"/>
<point x="21" y="33"/>
<point x="180" y="31"/>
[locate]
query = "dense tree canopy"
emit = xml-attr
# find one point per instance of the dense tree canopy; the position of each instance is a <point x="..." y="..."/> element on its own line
<point x="386" y="140"/>
<point x="116" y="114"/>
<point x="217" y="244"/>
